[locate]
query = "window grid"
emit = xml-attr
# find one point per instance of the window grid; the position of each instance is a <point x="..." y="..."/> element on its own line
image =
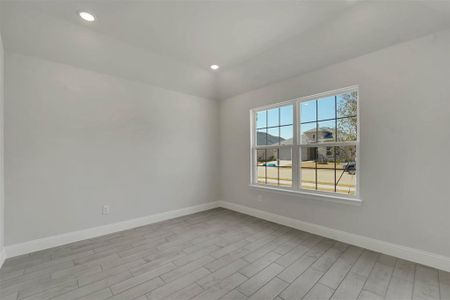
<point x="266" y="164"/>
<point x="298" y="145"/>
<point x="273" y="166"/>
<point x="266" y="129"/>
<point x="316" y="141"/>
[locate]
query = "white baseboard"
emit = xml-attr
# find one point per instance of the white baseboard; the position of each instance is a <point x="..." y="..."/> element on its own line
<point x="411" y="254"/>
<point x="70" y="237"/>
<point x="415" y="255"/>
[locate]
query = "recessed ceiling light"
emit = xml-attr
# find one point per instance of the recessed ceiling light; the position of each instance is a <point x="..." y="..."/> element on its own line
<point x="87" y="16"/>
<point x="214" y="67"/>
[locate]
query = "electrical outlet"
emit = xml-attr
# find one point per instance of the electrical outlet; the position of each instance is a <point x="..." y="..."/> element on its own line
<point x="105" y="210"/>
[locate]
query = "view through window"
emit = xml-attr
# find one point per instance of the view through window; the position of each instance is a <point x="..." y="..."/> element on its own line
<point x="308" y="144"/>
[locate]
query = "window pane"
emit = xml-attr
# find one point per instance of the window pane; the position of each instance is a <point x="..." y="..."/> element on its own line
<point x="326" y="131"/>
<point x="326" y="108"/>
<point x="272" y="166"/>
<point x="261" y="119"/>
<point x="325" y="169"/>
<point x="347" y="129"/>
<point x="286" y="134"/>
<point x="261" y="137"/>
<point x="260" y="166"/>
<point x="272" y="117"/>
<point x="287" y="115"/>
<point x="260" y="157"/>
<point x="308" y="167"/>
<point x="308" y="133"/>
<point x="346" y="170"/>
<point x="347" y="104"/>
<point x="285" y="167"/>
<point x="308" y="111"/>
<point x="261" y="175"/>
<point x="325" y="180"/>
<point x="273" y="136"/>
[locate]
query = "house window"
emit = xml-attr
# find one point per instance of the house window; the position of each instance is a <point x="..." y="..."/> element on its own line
<point x="308" y="144"/>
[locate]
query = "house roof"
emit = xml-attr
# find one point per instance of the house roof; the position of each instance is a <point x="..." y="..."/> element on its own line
<point x="320" y="129"/>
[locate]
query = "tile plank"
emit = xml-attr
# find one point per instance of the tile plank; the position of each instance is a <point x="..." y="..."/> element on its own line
<point x="216" y="254"/>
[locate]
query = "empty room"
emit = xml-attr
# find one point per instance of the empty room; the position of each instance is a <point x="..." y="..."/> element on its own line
<point x="156" y="150"/>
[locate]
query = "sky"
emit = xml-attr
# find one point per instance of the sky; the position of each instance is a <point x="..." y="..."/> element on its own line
<point x="284" y="116"/>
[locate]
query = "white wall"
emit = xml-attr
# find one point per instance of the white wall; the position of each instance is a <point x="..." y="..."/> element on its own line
<point x="2" y="194"/>
<point x="405" y="145"/>
<point x="77" y="139"/>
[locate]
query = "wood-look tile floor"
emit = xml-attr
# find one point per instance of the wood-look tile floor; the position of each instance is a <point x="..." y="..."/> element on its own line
<point x="217" y="254"/>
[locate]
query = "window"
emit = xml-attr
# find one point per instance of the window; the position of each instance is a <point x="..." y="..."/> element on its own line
<point x="309" y="144"/>
<point x="274" y="138"/>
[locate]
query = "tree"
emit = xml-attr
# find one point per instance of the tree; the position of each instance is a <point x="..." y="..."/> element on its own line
<point x="347" y="108"/>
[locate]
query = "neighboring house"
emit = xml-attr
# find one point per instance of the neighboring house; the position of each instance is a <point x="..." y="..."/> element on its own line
<point x="273" y="155"/>
<point x="322" y="134"/>
<point x="264" y="138"/>
<point x="322" y="154"/>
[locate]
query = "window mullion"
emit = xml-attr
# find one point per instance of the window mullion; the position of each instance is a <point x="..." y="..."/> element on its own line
<point x="274" y="146"/>
<point x="331" y="144"/>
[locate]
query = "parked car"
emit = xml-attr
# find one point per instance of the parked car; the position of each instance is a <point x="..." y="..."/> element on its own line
<point x="271" y="164"/>
<point x="350" y="167"/>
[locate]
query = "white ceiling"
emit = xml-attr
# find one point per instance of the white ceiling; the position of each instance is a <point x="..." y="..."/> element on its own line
<point x="201" y="33"/>
<point x="171" y="44"/>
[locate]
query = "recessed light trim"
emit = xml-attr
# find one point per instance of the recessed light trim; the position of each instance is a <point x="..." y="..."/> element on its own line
<point x="214" y="67"/>
<point x="86" y="16"/>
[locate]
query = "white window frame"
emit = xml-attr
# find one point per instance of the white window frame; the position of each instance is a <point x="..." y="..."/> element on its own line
<point x="296" y="148"/>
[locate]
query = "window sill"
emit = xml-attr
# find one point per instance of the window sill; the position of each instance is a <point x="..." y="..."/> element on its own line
<point x="331" y="198"/>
